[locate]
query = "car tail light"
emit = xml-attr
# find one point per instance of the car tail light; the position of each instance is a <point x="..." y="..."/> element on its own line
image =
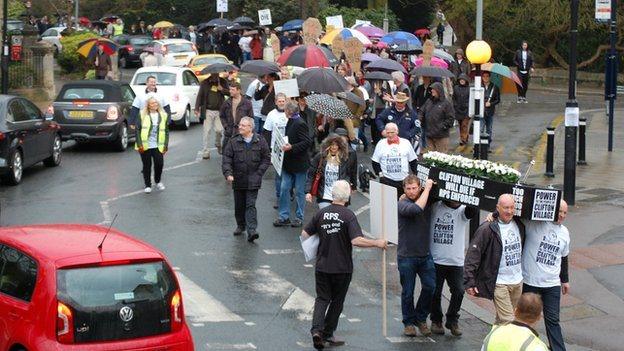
<point x="177" y="311"/>
<point x="130" y="49"/>
<point x="112" y="113"/>
<point x="81" y="102"/>
<point x="2" y="136"/>
<point x="176" y="97"/>
<point x="198" y="73"/>
<point x="64" y="324"/>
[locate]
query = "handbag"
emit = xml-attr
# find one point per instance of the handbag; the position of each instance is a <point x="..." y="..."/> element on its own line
<point x="317" y="179"/>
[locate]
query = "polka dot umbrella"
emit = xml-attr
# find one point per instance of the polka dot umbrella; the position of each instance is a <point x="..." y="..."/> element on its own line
<point x="329" y="106"/>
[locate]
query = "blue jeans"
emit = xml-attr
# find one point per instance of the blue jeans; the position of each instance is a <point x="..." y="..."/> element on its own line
<point x="288" y="179"/>
<point x="259" y="125"/>
<point x="246" y="56"/>
<point x="409" y="268"/>
<point x="278" y="185"/>
<point x="551" y="298"/>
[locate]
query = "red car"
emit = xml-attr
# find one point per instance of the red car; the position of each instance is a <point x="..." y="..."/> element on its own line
<point x="77" y="287"/>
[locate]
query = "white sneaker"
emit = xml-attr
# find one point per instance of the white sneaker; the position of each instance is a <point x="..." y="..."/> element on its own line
<point x="160" y="186"/>
<point x="148" y="190"/>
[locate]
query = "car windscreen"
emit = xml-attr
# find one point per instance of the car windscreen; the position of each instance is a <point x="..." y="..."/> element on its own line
<point x="209" y="61"/>
<point x="179" y="47"/>
<point x="15" y="25"/>
<point x="140" y="41"/>
<point x="162" y="78"/>
<point x="96" y="94"/>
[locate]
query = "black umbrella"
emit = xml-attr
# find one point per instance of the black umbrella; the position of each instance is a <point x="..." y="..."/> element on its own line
<point x="385" y="65"/>
<point x="260" y="67"/>
<point x="406" y="48"/>
<point x="328" y="106"/>
<point x="377" y="75"/>
<point x="349" y="96"/>
<point x="245" y="21"/>
<point x="321" y="80"/>
<point x="432" y="71"/>
<point x="333" y="60"/>
<point x="218" y="68"/>
<point x="238" y="26"/>
<point x="219" y="22"/>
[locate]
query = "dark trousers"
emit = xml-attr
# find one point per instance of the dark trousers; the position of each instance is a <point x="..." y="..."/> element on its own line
<point x="409" y="268"/>
<point x="398" y="185"/>
<point x="331" y="290"/>
<point x="375" y="133"/>
<point x="524" y="78"/>
<point x="100" y="76"/>
<point x="245" y="209"/>
<point x="146" y="158"/>
<point x="362" y="134"/>
<point x="488" y="126"/>
<point x="551" y="298"/>
<point x="454" y="277"/>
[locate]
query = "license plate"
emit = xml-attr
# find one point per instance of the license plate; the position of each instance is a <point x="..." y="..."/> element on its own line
<point x="178" y="57"/>
<point x="80" y="114"/>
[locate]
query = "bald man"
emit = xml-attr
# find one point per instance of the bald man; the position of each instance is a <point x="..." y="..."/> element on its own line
<point x="493" y="268"/>
<point x="394" y="158"/>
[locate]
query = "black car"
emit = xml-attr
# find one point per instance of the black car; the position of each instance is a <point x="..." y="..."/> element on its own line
<point x="94" y="110"/>
<point x="26" y="138"/>
<point x="130" y="48"/>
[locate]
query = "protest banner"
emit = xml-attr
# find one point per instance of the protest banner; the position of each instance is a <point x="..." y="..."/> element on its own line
<point x="338" y="46"/>
<point x="277" y="154"/>
<point x="334" y="21"/>
<point x="264" y="17"/>
<point x="286" y="86"/>
<point x="222" y="5"/>
<point x="353" y="48"/>
<point x="312" y="30"/>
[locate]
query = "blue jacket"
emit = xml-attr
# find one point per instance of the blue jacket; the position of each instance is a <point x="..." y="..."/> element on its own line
<point x="406" y="121"/>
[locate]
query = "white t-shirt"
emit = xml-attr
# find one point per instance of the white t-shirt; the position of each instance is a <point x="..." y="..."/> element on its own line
<point x="255" y="104"/>
<point x="276" y="119"/>
<point x="544" y="246"/>
<point x="243" y="43"/>
<point x="448" y="234"/>
<point x="140" y="100"/>
<point x="510" y="268"/>
<point x="330" y="176"/>
<point x="394" y="159"/>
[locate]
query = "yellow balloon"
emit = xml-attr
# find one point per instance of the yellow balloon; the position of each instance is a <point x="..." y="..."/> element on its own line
<point x="478" y="52"/>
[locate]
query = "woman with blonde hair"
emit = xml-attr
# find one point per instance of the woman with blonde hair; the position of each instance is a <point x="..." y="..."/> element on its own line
<point x="152" y="141"/>
<point x="331" y="164"/>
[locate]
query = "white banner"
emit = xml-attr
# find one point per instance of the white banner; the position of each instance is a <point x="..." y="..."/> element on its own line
<point x="384" y="217"/>
<point x="334" y="21"/>
<point x="286" y="86"/>
<point x="222" y="5"/>
<point x="264" y="17"/>
<point x="277" y="155"/>
<point x="358" y="22"/>
<point x="603" y="10"/>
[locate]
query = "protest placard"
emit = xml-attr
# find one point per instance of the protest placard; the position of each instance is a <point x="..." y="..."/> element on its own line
<point x="222" y="5"/>
<point x="264" y="17"/>
<point x="337" y="46"/>
<point x="286" y="86"/>
<point x="353" y="52"/>
<point x="277" y="154"/>
<point x="334" y="21"/>
<point x="312" y="30"/>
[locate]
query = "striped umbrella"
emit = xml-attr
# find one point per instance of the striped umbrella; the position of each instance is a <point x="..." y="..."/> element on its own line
<point x="501" y="70"/>
<point x="345" y="33"/>
<point x="328" y="106"/>
<point x="304" y="56"/>
<point x="88" y="48"/>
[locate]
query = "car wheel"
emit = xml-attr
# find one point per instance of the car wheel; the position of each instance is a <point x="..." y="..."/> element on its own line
<point x="185" y="122"/>
<point x="123" y="62"/>
<point x="14" y="176"/>
<point x="55" y="158"/>
<point x="121" y="144"/>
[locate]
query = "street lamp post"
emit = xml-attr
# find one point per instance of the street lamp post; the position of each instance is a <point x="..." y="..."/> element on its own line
<point x="571" y="113"/>
<point x="5" y="49"/>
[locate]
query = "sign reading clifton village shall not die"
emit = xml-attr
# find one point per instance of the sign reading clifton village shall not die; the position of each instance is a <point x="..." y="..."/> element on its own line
<point x="531" y="203"/>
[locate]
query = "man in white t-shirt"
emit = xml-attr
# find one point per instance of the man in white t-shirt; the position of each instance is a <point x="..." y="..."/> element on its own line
<point x="259" y="118"/>
<point x="449" y="222"/>
<point x="394" y="158"/>
<point x="276" y="119"/>
<point x="493" y="268"/>
<point x="545" y="269"/>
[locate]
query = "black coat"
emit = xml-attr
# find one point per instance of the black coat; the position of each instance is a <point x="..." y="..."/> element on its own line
<point x="492" y="94"/>
<point x="297" y="159"/>
<point x="519" y="63"/>
<point x="461" y="99"/>
<point x="268" y="97"/>
<point x="246" y="164"/>
<point x="228" y="120"/>
<point x="483" y="258"/>
<point x="437" y="115"/>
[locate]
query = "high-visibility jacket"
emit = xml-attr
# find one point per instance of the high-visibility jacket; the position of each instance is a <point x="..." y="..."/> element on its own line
<point x="514" y="336"/>
<point x="144" y="128"/>
<point x="118" y="29"/>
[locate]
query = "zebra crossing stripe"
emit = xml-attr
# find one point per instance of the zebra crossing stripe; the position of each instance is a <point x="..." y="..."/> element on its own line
<point x="201" y="307"/>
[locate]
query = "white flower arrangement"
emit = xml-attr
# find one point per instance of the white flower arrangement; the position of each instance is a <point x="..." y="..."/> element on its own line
<point x="482" y="168"/>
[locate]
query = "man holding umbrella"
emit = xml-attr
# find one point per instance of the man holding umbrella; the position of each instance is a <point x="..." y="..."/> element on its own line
<point x="102" y="63"/>
<point x="210" y="98"/>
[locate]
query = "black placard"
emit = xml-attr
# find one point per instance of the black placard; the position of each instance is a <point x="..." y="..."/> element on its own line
<point x="531" y="203"/>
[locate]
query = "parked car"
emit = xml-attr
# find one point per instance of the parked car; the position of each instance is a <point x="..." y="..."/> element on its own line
<point x="130" y="48"/>
<point x="26" y="138"/>
<point x="173" y="52"/>
<point x="198" y="62"/>
<point x="94" y="110"/>
<point x="83" y="287"/>
<point x="178" y="84"/>
<point x="53" y="36"/>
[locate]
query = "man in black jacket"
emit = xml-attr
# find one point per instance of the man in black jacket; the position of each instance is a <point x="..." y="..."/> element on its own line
<point x="524" y="64"/>
<point x="245" y="159"/>
<point x="437" y="117"/>
<point x="232" y="110"/>
<point x="294" y="167"/>
<point x="492" y="98"/>
<point x="493" y="268"/>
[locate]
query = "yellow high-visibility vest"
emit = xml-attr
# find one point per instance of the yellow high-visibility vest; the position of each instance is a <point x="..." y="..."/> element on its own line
<point x="512" y="337"/>
<point x="146" y="129"/>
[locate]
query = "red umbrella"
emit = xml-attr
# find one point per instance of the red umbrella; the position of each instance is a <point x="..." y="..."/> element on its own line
<point x="84" y="21"/>
<point x="421" y="32"/>
<point x="304" y="56"/>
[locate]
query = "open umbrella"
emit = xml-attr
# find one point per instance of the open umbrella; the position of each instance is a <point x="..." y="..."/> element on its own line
<point x="260" y="67"/>
<point x="501" y="70"/>
<point x="219" y="22"/>
<point x="304" y="56"/>
<point x="109" y="18"/>
<point x="398" y="38"/>
<point x="218" y="68"/>
<point x="422" y="31"/>
<point x="370" y="57"/>
<point x="443" y="55"/>
<point x="333" y="60"/>
<point x="435" y="61"/>
<point x="349" y="96"/>
<point x="328" y="106"/>
<point x="406" y="48"/>
<point x="370" y="31"/>
<point x="88" y="48"/>
<point x="344" y="33"/>
<point x="432" y="71"/>
<point x="321" y="80"/>
<point x="84" y="21"/>
<point x="377" y="45"/>
<point x="385" y="65"/>
<point x="245" y="21"/>
<point x="377" y="75"/>
<point x="295" y="24"/>
<point x="163" y="24"/>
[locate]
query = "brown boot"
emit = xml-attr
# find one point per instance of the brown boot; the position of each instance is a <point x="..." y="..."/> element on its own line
<point x="436" y="328"/>
<point x="454" y="328"/>
<point x="409" y="330"/>
<point x="424" y="329"/>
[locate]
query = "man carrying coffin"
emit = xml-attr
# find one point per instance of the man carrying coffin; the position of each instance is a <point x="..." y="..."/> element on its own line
<point x="393" y="158"/>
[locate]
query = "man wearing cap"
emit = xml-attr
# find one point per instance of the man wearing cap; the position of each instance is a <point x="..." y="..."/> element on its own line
<point x="437" y="117"/>
<point x="459" y="65"/>
<point x="399" y="114"/>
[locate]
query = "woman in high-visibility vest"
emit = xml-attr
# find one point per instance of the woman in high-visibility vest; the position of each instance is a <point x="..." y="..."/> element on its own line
<point x="152" y="140"/>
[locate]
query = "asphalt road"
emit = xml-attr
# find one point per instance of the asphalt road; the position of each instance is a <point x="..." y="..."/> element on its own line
<point x="238" y="295"/>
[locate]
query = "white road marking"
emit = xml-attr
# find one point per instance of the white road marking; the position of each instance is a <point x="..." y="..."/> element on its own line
<point x="200" y="306"/>
<point x="308" y="265"/>
<point x="410" y="339"/>
<point x="361" y="209"/>
<point x="282" y="251"/>
<point x="219" y="346"/>
<point x="251" y="324"/>
<point x="354" y="320"/>
<point x="265" y="266"/>
<point x="198" y="324"/>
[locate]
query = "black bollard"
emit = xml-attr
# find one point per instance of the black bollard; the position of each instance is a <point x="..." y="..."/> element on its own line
<point x="581" y="150"/>
<point x="484" y="145"/>
<point x="550" y="152"/>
